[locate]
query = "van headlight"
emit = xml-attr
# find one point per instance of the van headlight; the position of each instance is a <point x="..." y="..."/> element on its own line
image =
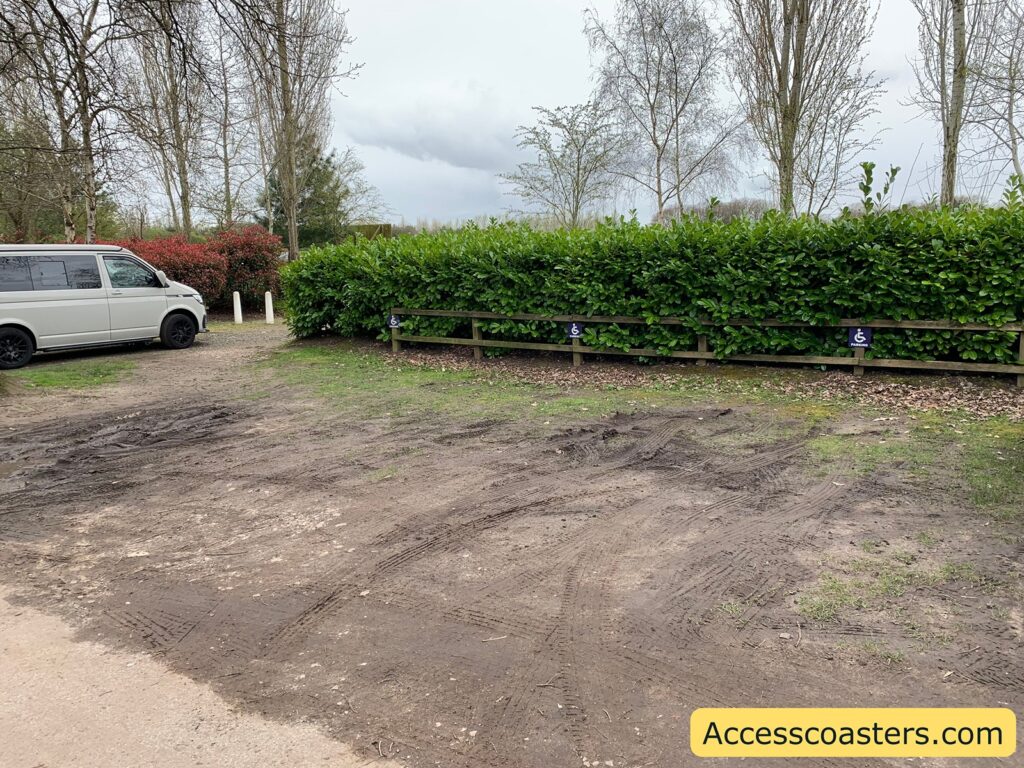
<point x="198" y="297"/>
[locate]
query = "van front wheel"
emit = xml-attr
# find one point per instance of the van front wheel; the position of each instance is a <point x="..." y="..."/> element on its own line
<point x="15" y="348"/>
<point x="178" y="332"/>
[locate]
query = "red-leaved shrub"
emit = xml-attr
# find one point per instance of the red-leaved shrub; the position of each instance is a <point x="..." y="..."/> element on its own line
<point x="252" y="258"/>
<point x="197" y="265"/>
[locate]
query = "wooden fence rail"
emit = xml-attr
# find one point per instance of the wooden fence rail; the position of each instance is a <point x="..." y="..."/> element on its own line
<point x="703" y="353"/>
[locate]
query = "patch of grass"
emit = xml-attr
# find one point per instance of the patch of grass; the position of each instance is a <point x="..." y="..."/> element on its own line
<point x="812" y="412"/>
<point x="824" y="603"/>
<point x="965" y="572"/>
<point x="348" y="373"/>
<point x="871" y="546"/>
<point x="250" y="324"/>
<point x="874" y="582"/>
<point x="75" y="374"/>
<point x="864" y="454"/>
<point x="1001" y="612"/>
<point x="879" y="652"/>
<point x="906" y="558"/>
<point x="733" y="609"/>
<point x="926" y="637"/>
<point x="993" y="464"/>
<point x="927" y="539"/>
<point x="379" y="385"/>
<point x="384" y="473"/>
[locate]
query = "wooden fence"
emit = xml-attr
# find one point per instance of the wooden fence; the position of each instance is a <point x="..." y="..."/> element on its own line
<point x="703" y="353"/>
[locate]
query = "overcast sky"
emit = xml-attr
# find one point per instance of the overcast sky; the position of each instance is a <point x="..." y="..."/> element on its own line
<point x="434" y="110"/>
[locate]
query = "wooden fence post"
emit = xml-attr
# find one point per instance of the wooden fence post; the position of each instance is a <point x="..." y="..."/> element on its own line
<point x="577" y="358"/>
<point x="396" y="339"/>
<point x="478" y="353"/>
<point x="1020" y="358"/>
<point x="858" y="353"/>
<point x="702" y="346"/>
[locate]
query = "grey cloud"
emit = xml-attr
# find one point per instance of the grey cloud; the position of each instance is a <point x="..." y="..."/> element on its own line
<point x="463" y="133"/>
<point x="430" y="189"/>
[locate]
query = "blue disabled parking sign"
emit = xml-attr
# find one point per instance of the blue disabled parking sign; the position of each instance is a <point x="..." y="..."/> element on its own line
<point x="860" y="338"/>
<point x="394" y="321"/>
<point x="574" y="330"/>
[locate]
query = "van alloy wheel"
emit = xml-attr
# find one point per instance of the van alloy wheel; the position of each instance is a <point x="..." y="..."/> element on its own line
<point x="178" y="332"/>
<point x="181" y="332"/>
<point x="15" y="348"/>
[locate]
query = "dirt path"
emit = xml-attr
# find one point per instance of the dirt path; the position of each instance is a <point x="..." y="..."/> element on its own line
<point x="69" y="703"/>
<point x="489" y="593"/>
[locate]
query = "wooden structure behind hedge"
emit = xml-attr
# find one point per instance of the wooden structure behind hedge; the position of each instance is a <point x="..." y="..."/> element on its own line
<point x="702" y="354"/>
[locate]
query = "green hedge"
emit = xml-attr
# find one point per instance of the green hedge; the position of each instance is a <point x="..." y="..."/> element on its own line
<point x="964" y="265"/>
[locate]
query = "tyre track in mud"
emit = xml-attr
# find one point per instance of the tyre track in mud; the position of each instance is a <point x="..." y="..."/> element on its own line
<point x="560" y="640"/>
<point x="451" y="534"/>
<point x="498" y="506"/>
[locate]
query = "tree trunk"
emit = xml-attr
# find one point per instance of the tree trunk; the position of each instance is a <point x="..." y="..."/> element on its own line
<point x="229" y="213"/>
<point x="229" y="208"/>
<point x="955" y="118"/>
<point x="1011" y="116"/>
<point x="265" y="200"/>
<point x="91" y="190"/>
<point x="67" y="212"/>
<point x="181" y="158"/>
<point x="287" y="164"/>
<point x="787" y="194"/>
<point x="86" y="118"/>
<point x="167" y="177"/>
<point x="90" y="186"/>
<point x="798" y="24"/>
<point x="65" y="186"/>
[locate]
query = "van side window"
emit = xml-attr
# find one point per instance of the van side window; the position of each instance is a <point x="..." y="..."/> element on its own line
<point x="48" y="273"/>
<point x="15" y="274"/>
<point x="126" y="273"/>
<point x="61" y="273"/>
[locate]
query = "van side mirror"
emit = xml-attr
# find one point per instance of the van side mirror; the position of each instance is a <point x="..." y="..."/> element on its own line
<point x="162" y="278"/>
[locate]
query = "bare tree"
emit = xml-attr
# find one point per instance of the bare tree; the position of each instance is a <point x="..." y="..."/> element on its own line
<point x="799" y="67"/>
<point x="29" y="174"/>
<point x="234" y="123"/>
<point x="362" y="202"/>
<point x="32" y="56"/>
<point x="175" y="66"/>
<point x="575" y="150"/>
<point x="164" y="104"/>
<point x="294" y="48"/>
<point x="178" y="91"/>
<point x="1002" y="91"/>
<point x="659" y="70"/>
<point x="956" y="44"/>
<point x="70" y="51"/>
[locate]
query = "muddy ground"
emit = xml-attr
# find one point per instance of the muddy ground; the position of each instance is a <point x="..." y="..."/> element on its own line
<point x="499" y="593"/>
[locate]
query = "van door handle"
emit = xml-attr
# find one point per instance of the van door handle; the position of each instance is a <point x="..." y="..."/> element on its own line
<point x="117" y="293"/>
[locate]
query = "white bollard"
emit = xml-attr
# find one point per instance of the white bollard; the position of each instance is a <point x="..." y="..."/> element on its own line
<point x="268" y="300"/>
<point x="236" y="298"/>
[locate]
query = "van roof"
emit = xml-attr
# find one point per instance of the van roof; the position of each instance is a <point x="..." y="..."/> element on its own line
<point x="62" y="247"/>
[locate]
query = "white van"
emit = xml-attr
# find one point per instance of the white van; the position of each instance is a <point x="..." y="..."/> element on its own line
<point x="66" y="296"/>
